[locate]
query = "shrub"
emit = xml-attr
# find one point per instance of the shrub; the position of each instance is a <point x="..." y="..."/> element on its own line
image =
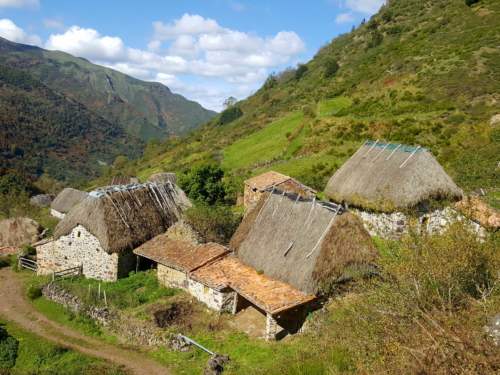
<point x="204" y="184"/>
<point x="8" y="349"/>
<point x="34" y="292"/>
<point x="214" y="223"/>
<point x="301" y="70"/>
<point x="471" y="2"/>
<point x="331" y="68"/>
<point x="229" y="115"/>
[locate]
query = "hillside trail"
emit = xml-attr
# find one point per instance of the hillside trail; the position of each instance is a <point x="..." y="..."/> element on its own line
<point x="16" y="308"/>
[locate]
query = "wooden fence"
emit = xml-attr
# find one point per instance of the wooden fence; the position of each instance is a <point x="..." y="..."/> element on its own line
<point x="28" y="263"/>
<point x="68" y="272"/>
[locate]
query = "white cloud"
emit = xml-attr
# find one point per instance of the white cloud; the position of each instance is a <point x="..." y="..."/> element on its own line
<point x="19" y="3"/>
<point x="53" y="23"/>
<point x="87" y="43"/>
<point x="9" y="30"/>
<point x="344" y="18"/>
<point x="188" y="54"/>
<point x="364" y="6"/>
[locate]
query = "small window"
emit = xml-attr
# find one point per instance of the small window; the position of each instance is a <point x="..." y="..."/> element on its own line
<point x="78" y="234"/>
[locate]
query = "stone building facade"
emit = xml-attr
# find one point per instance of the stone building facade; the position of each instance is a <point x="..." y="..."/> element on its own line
<point x="393" y="225"/>
<point x="57" y="214"/>
<point x="81" y="248"/>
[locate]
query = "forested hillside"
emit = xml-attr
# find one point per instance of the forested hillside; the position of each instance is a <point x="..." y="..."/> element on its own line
<point x="61" y="115"/>
<point x="418" y="72"/>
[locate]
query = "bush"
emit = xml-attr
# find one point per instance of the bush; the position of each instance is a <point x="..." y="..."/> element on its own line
<point x="214" y="223"/>
<point x="8" y="349"/>
<point x="229" y="115"/>
<point x="34" y="292"/>
<point x="204" y="184"/>
<point x="471" y="2"/>
<point x="301" y="70"/>
<point x="331" y="68"/>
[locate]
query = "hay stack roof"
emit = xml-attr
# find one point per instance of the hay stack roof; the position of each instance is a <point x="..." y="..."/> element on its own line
<point x="67" y="199"/>
<point x="270" y="295"/>
<point x="125" y="217"/>
<point x="387" y="177"/>
<point x="305" y="243"/>
<point x="271" y="179"/>
<point x="181" y="255"/>
<point x="123" y="180"/>
<point x="163" y="177"/>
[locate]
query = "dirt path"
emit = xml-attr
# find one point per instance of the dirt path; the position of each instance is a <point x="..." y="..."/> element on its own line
<point x="16" y="308"/>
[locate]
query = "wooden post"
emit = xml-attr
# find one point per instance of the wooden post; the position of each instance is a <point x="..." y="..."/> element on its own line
<point x="99" y="292"/>
<point x="137" y="260"/>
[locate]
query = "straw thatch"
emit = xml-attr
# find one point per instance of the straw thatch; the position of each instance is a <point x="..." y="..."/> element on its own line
<point x="389" y="177"/>
<point x="123" y="180"/>
<point x="163" y="177"/>
<point x="67" y="199"/>
<point x="269" y="179"/>
<point x="123" y="218"/>
<point x="305" y="243"/>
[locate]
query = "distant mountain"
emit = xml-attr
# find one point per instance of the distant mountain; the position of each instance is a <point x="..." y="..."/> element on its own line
<point x="65" y="116"/>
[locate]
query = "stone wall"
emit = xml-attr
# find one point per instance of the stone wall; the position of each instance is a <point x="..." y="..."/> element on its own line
<point x="57" y="214"/>
<point x="393" y="225"/>
<point x="250" y="197"/>
<point x="171" y="278"/>
<point x="216" y="300"/>
<point x="132" y="330"/>
<point x="80" y="247"/>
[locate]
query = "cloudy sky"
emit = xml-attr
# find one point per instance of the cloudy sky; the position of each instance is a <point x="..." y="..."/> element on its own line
<point x="205" y="50"/>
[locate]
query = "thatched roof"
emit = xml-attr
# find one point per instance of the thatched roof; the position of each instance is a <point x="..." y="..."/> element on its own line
<point x="180" y="255"/>
<point x="67" y="199"/>
<point x="268" y="294"/>
<point x="388" y="177"/>
<point x="271" y="179"/>
<point x="306" y="243"/>
<point x="123" y="218"/>
<point x="163" y="177"/>
<point x="123" y="180"/>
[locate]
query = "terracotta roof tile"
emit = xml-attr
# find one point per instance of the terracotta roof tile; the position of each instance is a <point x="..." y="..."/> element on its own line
<point x="180" y="255"/>
<point x="269" y="294"/>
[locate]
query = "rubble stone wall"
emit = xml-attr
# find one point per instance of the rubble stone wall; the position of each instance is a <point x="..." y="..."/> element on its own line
<point x="80" y="248"/>
<point x="393" y="225"/>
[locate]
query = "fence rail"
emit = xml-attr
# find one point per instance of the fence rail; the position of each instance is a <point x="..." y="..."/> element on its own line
<point x="68" y="272"/>
<point x="27" y="263"/>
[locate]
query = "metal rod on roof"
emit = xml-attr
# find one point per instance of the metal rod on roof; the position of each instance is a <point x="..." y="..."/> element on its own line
<point x="393" y="151"/>
<point x="324" y="233"/>
<point x="371" y="148"/>
<point x="383" y="149"/>
<point x="409" y="157"/>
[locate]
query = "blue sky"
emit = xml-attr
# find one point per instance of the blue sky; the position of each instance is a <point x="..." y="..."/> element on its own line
<point x="205" y="50"/>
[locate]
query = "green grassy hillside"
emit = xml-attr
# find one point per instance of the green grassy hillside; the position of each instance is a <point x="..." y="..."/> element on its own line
<point x="417" y="72"/>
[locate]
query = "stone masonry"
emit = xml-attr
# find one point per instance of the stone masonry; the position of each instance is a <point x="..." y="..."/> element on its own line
<point x="81" y="248"/>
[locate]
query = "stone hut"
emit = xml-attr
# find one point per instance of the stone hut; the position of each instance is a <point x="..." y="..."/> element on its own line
<point x="387" y="184"/>
<point x="256" y="186"/>
<point x="309" y="244"/>
<point x="65" y="201"/>
<point x="176" y="260"/>
<point x="100" y="233"/>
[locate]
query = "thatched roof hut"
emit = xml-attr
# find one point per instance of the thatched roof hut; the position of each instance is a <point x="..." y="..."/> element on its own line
<point x="123" y="180"/>
<point x="67" y="199"/>
<point x="122" y="218"/>
<point x="389" y="177"/>
<point x="306" y="243"/>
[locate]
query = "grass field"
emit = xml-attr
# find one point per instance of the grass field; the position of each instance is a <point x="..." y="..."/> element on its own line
<point x="39" y="357"/>
<point x="331" y="107"/>
<point x="263" y="145"/>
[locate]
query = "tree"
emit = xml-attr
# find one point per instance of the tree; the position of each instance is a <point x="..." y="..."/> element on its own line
<point x="8" y="349"/>
<point x="204" y="184"/>
<point x="301" y="70"/>
<point x="229" y="115"/>
<point x="229" y="102"/>
<point x="331" y="67"/>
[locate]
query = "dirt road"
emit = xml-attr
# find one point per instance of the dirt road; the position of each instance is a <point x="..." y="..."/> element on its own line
<point x="16" y="308"/>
